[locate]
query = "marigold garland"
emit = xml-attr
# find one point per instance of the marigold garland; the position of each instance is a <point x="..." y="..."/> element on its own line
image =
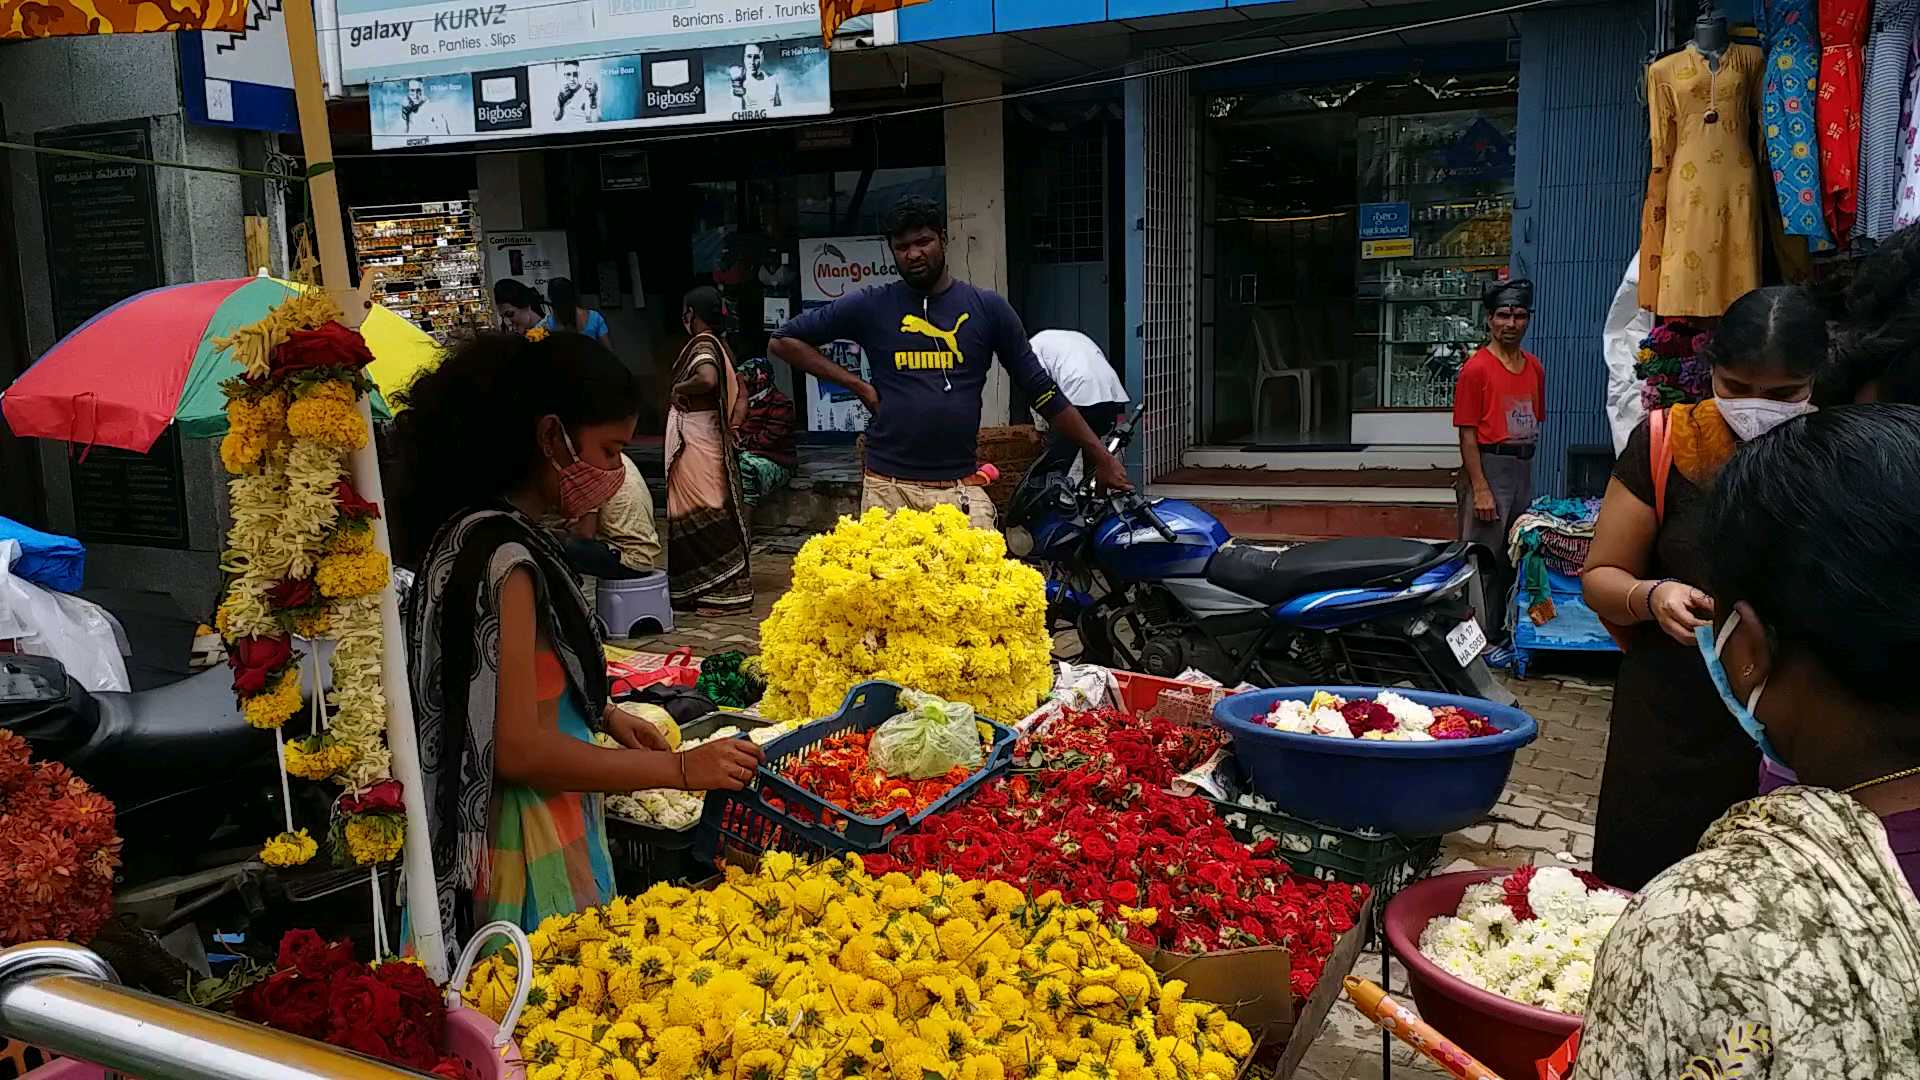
<point x="289" y="849"/>
<point x="919" y="598"/>
<point x="301" y="561"/>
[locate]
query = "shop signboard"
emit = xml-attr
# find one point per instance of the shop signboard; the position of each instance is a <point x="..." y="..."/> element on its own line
<point x="830" y="268"/>
<point x="1387" y="249"/>
<point x="625" y="170"/>
<point x="715" y="85"/>
<point x="382" y="40"/>
<point x="1385" y="221"/>
<point x="532" y="257"/>
<point x="240" y="80"/>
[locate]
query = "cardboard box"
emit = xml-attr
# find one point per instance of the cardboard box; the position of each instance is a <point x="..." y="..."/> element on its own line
<point x="1255" y="987"/>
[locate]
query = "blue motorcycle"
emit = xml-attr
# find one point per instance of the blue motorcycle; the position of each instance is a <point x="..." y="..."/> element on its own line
<point x="1160" y="586"/>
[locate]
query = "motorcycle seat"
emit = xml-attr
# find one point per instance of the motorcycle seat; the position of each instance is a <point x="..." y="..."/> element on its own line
<point x="147" y="744"/>
<point x="1274" y="576"/>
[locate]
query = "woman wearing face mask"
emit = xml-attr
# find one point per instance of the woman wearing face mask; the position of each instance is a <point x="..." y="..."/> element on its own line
<point x="1673" y="763"/>
<point x="509" y="682"/>
<point x="1789" y="944"/>
<point x="706" y="513"/>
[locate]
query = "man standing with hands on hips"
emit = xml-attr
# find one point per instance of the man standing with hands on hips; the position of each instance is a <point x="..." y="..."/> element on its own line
<point x="930" y="339"/>
<point x="1498" y="403"/>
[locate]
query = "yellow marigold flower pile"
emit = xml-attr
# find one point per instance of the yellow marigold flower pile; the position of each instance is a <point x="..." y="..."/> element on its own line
<point x="326" y="413"/>
<point x="280" y="702"/>
<point x="317" y="757"/>
<point x="374" y="838"/>
<point x="289" y="849"/>
<point x="825" y="972"/>
<point x="255" y="425"/>
<point x="919" y="598"/>
<point x="344" y="576"/>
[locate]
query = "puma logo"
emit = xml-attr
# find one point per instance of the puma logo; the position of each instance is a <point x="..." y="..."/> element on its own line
<point x="941" y="359"/>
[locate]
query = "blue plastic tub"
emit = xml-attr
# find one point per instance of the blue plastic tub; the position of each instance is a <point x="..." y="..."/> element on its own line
<point x="1409" y="789"/>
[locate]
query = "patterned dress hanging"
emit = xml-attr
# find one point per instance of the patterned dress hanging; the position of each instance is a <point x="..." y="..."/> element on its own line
<point x="1787" y="110"/>
<point x="1700" y="227"/>
<point x="1882" y="110"/>
<point x="1843" y="36"/>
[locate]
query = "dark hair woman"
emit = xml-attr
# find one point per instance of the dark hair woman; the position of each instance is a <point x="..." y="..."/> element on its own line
<point x="509" y="681"/>
<point x="1673" y="763"/>
<point x="1789" y="944"/>
<point x="567" y="314"/>
<point x="520" y="307"/>
<point x="1876" y="354"/>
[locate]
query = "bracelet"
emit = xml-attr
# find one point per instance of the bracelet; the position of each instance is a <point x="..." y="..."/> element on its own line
<point x="1652" y="588"/>
<point x="682" y="758"/>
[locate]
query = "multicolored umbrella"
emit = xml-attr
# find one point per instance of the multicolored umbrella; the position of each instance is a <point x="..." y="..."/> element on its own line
<point x="150" y="361"/>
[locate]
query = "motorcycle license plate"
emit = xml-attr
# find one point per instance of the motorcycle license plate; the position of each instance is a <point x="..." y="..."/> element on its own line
<point x="1467" y="641"/>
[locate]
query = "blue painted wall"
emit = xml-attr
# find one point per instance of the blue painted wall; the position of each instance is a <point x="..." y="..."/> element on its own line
<point x="1581" y="179"/>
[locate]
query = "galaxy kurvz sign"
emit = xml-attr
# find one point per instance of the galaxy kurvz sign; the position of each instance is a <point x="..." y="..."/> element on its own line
<point x="842" y="266"/>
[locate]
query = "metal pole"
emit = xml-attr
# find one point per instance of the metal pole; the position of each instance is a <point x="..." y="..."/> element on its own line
<point x="422" y="904"/>
<point x="66" y="999"/>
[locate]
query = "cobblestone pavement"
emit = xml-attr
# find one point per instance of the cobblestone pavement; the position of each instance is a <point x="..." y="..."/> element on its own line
<point x="1545" y="817"/>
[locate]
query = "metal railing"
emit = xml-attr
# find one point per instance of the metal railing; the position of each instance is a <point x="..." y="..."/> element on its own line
<point x="67" y="1000"/>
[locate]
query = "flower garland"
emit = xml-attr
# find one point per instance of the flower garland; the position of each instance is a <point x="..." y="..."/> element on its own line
<point x="301" y="564"/>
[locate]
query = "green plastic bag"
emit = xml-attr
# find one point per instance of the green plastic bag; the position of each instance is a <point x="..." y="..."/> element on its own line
<point x="931" y="737"/>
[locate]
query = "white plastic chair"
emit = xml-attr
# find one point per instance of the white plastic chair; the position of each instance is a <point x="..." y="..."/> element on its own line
<point x="1271" y="352"/>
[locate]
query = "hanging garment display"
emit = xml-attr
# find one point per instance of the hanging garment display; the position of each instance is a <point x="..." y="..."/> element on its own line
<point x="1882" y="108"/>
<point x="1700" y="228"/>
<point x="1907" y="207"/>
<point x="1843" y="36"/>
<point x="1787" y="110"/>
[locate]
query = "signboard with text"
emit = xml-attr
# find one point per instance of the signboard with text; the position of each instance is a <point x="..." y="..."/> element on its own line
<point x="1385" y="221"/>
<point x="719" y="84"/>
<point x="533" y="257"/>
<point x="240" y="80"/>
<point x="830" y="268"/>
<point x="382" y="40"/>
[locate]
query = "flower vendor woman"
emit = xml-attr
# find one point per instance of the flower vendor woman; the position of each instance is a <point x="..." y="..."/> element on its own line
<point x="508" y="676"/>
<point x="1788" y="945"/>
<point x="1674" y="764"/>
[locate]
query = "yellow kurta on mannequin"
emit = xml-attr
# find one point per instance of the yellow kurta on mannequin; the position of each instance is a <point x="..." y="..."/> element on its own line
<point x="1700" y="229"/>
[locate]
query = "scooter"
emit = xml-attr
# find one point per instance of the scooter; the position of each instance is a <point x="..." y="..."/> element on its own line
<point x="192" y="785"/>
<point x="1160" y="586"/>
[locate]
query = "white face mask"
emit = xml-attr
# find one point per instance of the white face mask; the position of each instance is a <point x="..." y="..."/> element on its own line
<point x="1751" y="418"/>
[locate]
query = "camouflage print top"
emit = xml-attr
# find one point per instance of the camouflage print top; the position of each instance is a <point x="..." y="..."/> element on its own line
<point x="1788" y="945"/>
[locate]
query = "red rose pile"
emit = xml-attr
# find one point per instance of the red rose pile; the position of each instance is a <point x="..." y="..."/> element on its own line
<point x="1107" y="836"/>
<point x="392" y="1012"/>
<point x="839" y="771"/>
<point x="1152" y="750"/>
<point x="58" y="850"/>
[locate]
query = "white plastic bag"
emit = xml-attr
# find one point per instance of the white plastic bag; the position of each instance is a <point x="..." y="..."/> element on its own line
<point x="73" y="631"/>
<point x="1627" y="325"/>
<point x="1075" y="686"/>
<point x="926" y="740"/>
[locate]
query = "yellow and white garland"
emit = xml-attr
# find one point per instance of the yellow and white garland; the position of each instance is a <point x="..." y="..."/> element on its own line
<point x="301" y="564"/>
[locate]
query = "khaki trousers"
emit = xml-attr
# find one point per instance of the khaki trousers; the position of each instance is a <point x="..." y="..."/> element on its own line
<point x="891" y="494"/>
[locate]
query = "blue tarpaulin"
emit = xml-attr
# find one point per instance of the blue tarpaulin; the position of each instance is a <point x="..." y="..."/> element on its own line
<point x="52" y="562"/>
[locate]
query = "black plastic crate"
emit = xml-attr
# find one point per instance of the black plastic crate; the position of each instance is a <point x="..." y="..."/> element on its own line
<point x="645" y="855"/>
<point x="747" y="822"/>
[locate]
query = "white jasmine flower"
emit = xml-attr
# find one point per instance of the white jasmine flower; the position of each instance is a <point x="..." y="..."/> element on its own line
<point x="1411" y="715"/>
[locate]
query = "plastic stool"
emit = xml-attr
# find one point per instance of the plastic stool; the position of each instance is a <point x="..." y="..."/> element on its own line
<point x="624" y="606"/>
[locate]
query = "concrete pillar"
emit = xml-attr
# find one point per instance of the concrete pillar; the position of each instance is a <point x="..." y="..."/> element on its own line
<point x="977" y="207"/>
<point x="62" y="82"/>
<point x="512" y="191"/>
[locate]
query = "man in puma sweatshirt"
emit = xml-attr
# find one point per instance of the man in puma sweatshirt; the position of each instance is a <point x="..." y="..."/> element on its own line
<point x="929" y="340"/>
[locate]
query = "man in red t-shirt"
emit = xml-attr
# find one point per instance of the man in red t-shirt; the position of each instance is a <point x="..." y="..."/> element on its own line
<point x="1498" y="403"/>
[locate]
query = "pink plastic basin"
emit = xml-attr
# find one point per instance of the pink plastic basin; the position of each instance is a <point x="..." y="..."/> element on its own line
<point x="1506" y="1036"/>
